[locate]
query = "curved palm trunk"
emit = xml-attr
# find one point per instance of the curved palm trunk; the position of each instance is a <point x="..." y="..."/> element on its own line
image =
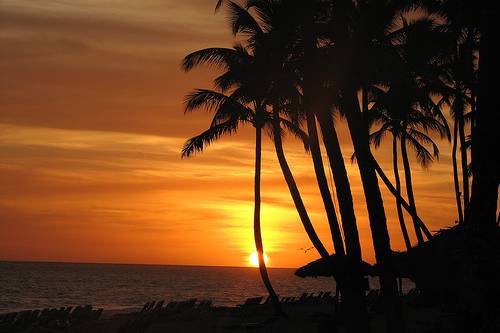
<point x="463" y="159"/>
<point x="409" y="185"/>
<point x="472" y="88"/>
<point x="378" y="222"/>
<point x="399" y="198"/>
<point x="352" y="285"/>
<point x="319" y="169"/>
<point x="294" y="191"/>
<point x="308" y="92"/>
<point x="455" y="173"/>
<point x="398" y="189"/>
<point x="342" y="185"/>
<point x="256" y="221"/>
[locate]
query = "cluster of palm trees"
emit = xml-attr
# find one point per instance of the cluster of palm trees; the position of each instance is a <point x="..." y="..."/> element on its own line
<point x="386" y="67"/>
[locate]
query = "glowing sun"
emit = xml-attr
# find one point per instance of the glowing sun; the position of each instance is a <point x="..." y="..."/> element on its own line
<point x="254" y="259"/>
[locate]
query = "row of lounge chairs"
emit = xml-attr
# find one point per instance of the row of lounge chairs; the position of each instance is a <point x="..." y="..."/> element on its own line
<point x="158" y="310"/>
<point x="56" y="318"/>
<point x="178" y="306"/>
<point x="305" y="299"/>
<point x="326" y="297"/>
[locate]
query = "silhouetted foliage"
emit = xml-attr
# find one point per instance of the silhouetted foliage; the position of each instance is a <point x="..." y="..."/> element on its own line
<point x="386" y="66"/>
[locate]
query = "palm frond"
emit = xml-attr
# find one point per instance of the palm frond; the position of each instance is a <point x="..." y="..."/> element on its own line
<point x="265" y="10"/>
<point x="220" y="57"/>
<point x="219" y="5"/>
<point x="199" y="142"/>
<point x="468" y="142"/>
<point x="377" y="136"/>
<point x="443" y="128"/>
<point x="469" y="116"/>
<point x="295" y="129"/>
<point x="204" y="98"/>
<point x="424" y="156"/>
<point x="242" y="21"/>
<point x="226" y="81"/>
<point x="232" y="110"/>
<point x="429" y="123"/>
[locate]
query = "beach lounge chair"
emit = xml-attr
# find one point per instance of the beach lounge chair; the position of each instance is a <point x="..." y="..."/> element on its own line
<point x="73" y="314"/>
<point x="158" y="306"/>
<point x="151" y="306"/>
<point x="67" y="312"/>
<point x="189" y="304"/>
<point x="268" y="299"/>
<point x="325" y="299"/>
<point x="33" y="318"/>
<point x="253" y="301"/>
<point x="170" y="306"/>
<point x="96" y="314"/>
<point x="302" y="298"/>
<point x="43" y="314"/>
<point x="86" y="313"/>
<point x="80" y="314"/>
<point x="145" y="307"/>
<point x="50" y="316"/>
<point x="309" y="299"/>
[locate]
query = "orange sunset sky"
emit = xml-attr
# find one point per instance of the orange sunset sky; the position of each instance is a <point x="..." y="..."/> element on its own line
<point x="91" y="127"/>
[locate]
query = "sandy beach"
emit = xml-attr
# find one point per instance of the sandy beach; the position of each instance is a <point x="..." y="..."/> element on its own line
<point x="306" y="314"/>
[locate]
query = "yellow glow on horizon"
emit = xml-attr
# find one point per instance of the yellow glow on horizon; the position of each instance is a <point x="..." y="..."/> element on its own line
<point x="254" y="259"/>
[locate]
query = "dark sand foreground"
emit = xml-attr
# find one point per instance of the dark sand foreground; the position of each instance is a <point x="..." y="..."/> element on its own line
<point x="305" y="314"/>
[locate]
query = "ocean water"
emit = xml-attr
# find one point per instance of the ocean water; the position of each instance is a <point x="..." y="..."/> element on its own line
<point x="111" y="286"/>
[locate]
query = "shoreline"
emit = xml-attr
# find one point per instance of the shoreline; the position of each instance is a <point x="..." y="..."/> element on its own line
<point x="307" y="313"/>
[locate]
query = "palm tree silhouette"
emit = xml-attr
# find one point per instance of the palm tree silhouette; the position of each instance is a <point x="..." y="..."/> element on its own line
<point x="363" y="49"/>
<point x="279" y="38"/>
<point x="407" y="109"/>
<point x="267" y="33"/>
<point x="365" y="60"/>
<point x="320" y="98"/>
<point x="292" y="185"/>
<point x="287" y="30"/>
<point x="281" y="20"/>
<point x="461" y="81"/>
<point x="411" y="128"/>
<point x="310" y="87"/>
<point x="244" y="103"/>
<point x="462" y="23"/>
<point x="470" y="24"/>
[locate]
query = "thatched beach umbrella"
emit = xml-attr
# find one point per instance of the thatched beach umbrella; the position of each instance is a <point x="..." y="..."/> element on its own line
<point x="333" y="265"/>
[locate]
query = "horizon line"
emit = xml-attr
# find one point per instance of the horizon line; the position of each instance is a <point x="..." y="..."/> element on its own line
<point x="131" y="264"/>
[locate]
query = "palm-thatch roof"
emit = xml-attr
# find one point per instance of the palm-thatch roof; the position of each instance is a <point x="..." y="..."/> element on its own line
<point x="453" y="253"/>
<point x="333" y="265"/>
